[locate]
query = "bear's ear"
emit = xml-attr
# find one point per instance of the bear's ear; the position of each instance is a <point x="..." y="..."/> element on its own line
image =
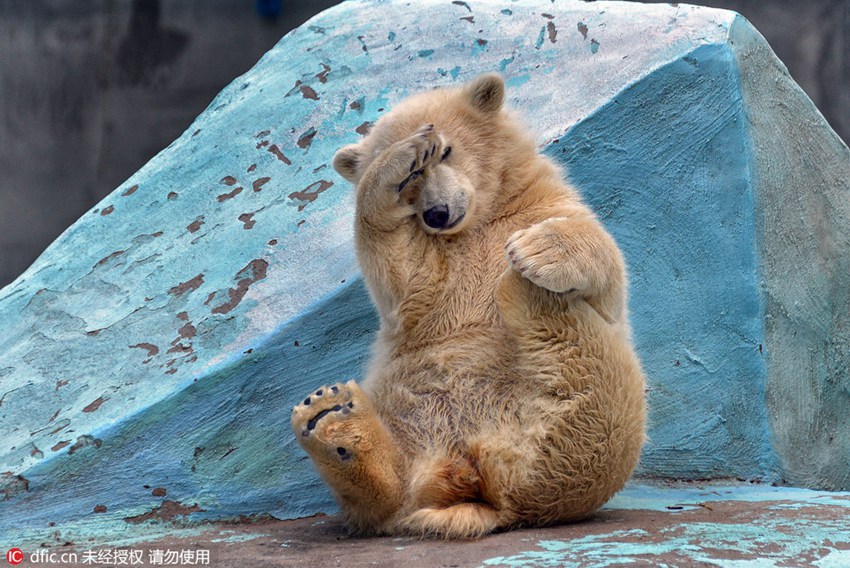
<point x="346" y="161"/>
<point x="487" y="93"/>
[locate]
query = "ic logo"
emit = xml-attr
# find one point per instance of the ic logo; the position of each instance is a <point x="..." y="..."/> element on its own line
<point x="15" y="556"/>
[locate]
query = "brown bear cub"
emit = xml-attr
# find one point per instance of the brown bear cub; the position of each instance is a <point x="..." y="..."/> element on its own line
<point x="503" y="390"/>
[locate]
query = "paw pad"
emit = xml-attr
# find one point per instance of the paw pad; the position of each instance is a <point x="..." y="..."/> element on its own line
<point x="344" y="454"/>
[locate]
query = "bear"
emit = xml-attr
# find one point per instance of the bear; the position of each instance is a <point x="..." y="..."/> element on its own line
<point x="503" y="390"/>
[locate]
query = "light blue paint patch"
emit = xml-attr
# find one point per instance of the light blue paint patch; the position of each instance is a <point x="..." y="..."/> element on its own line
<point x="391" y="36"/>
<point x="517" y="80"/>
<point x="763" y="542"/>
<point x="95" y="530"/>
<point x="677" y="196"/>
<point x="478" y="47"/>
<point x="239" y="538"/>
<point x="835" y="559"/>
<point x="503" y="64"/>
<point x="539" y="43"/>
<point x="507" y="11"/>
<point x="425" y="53"/>
<point x="642" y="495"/>
<point x="594" y="46"/>
<point x="454" y="72"/>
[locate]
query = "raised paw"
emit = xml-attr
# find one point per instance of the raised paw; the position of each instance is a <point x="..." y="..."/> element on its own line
<point x="418" y="152"/>
<point x="542" y="253"/>
<point x="325" y="422"/>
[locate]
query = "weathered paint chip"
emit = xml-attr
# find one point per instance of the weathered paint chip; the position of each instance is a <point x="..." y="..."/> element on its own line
<point x="258" y="184"/>
<point x="85" y="441"/>
<point x="130" y="191"/>
<point x="322" y="75"/>
<point x="195" y="225"/>
<point x="462" y="3"/>
<point x="278" y="153"/>
<point x="582" y="29"/>
<point x="306" y="139"/>
<point x="253" y="272"/>
<point x="95" y="404"/>
<point x="188" y="286"/>
<point x="225" y="196"/>
<point x="247" y="220"/>
<point x="168" y="511"/>
<point x="310" y="193"/>
<point x="12" y="485"/>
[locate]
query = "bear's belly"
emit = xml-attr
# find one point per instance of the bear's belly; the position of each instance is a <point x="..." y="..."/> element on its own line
<point x="444" y="394"/>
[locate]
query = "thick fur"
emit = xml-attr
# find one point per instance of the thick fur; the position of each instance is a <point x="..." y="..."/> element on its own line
<point x="503" y="389"/>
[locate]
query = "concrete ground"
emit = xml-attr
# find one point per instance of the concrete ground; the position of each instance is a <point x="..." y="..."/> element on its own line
<point x="685" y="524"/>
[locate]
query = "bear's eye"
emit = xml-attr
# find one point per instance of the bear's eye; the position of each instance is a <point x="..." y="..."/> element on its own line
<point x="446" y="153"/>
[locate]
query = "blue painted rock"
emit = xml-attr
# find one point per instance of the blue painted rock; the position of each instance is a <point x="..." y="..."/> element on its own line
<point x="150" y="357"/>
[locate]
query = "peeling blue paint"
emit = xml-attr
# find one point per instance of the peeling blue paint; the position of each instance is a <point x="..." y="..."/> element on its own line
<point x="539" y="43"/>
<point x="518" y="80"/>
<point x="479" y="46"/>
<point x="453" y="72"/>
<point x="767" y="540"/>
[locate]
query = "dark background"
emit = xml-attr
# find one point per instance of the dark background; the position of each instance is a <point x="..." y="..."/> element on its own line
<point x="90" y="90"/>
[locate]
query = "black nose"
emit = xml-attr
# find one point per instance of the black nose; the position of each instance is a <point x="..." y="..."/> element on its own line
<point x="436" y="217"/>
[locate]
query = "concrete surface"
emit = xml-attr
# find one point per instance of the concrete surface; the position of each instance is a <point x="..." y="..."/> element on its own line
<point x="150" y="357"/>
<point x="682" y="525"/>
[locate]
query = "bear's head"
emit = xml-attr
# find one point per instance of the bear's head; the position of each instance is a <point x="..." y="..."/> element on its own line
<point x="480" y="143"/>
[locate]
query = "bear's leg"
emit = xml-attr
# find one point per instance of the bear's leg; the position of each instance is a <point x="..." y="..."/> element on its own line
<point x="578" y="432"/>
<point x="353" y="452"/>
<point x="573" y="254"/>
<point x="446" y="499"/>
<point x="462" y="520"/>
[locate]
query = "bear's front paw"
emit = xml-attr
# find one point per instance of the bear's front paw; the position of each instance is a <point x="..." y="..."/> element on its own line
<point x="413" y="156"/>
<point x="543" y="255"/>
<point x="325" y="422"/>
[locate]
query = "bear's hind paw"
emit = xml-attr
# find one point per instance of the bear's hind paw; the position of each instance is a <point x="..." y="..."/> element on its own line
<point x="318" y="421"/>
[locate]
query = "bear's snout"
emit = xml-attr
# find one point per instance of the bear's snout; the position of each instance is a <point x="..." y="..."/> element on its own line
<point x="444" y="201"/>
<point x="437" y="217"/>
